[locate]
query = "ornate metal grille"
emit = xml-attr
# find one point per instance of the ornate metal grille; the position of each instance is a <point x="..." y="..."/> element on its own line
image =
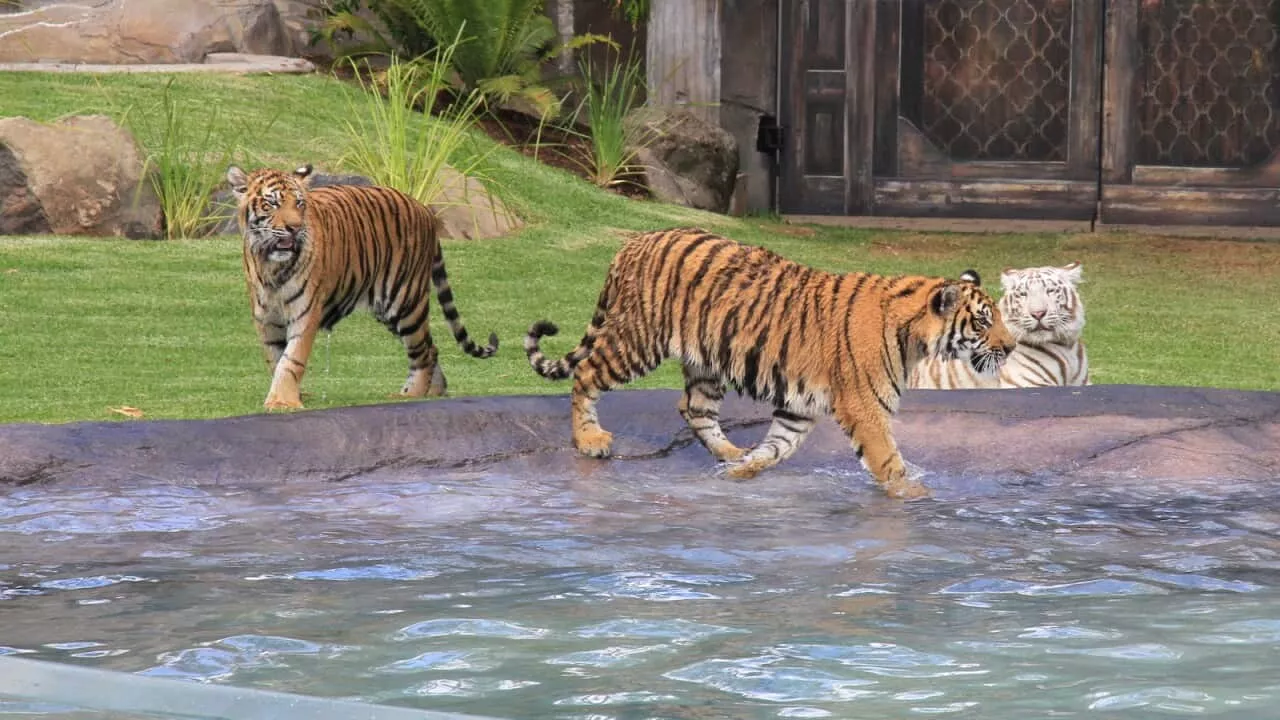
<point x="996" y="78"/>
<point x="1210" y="88"/>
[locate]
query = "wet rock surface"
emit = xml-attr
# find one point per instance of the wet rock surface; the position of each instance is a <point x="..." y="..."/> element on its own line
<point x="1094" y="434"/>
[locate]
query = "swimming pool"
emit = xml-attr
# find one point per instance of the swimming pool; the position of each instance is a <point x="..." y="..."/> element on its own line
<point x="543" y="585"/>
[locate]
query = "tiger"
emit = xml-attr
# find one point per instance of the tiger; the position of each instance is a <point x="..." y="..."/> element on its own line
<point x="810" y="342"/>
<point x="313" y="256"/>
<point x="1043" y="310"/>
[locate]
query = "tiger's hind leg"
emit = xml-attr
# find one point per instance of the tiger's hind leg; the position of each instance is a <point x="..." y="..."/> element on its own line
<point x="425" y="376"/>
<point x="785" y="434"/>
<point x="700" y="407"/>
<point x="613" y="363"/>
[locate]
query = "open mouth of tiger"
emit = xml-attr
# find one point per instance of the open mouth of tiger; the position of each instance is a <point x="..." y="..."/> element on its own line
<point x="280" y="249"/>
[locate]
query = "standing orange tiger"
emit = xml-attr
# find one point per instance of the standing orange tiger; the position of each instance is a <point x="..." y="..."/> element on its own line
<point x="312" y="257"/>
<point x="810" y="342"/>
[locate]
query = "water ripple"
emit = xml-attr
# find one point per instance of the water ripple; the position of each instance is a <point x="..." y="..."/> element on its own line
<point x="884" y="659"/>
<point x="1260" y="631"/>
<point x="441" y="660"/>
<point x="1168" y="699"/>
<point x="87" y="583"/>
<point x="677" y="630"/>
<point x="611" y="656"/>
<point x="617" y="698"/>
<point x="763" y="679"/>
<point x="659" y="586"/>
<point x="1151" y="652"/>
<point x="475" y="627"/>
<point x="1102" y="587"/>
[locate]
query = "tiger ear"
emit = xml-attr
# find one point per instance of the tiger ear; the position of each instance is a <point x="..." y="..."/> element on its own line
<point x="971" y="276"/>
<point x="945" y="300"/>
<point x="1074" y="272"/>
<point x="1007" y="277"/>
<point x="304" y="173"/>
<point x="238" y="181"/>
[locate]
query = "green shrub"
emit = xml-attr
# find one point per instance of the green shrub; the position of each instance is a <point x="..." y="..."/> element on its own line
<point x="608" y="96"/>
<point x="395" y="145"/>
<point x="185" y="161"/>
<point x="505" y="43"/>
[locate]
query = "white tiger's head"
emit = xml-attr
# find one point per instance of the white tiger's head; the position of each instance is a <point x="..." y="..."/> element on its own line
<point x="1042" y="304"/>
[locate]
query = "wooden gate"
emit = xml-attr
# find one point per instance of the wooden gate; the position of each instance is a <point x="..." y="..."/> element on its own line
<point x="1154" y="111"/>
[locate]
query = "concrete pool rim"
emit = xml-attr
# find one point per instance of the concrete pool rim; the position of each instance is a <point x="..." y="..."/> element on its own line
<point x="1107" y="431"/>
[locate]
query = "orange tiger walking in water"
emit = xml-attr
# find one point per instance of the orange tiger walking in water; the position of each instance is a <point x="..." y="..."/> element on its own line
<point x="312" y="257"/>
<point x="810" y="342"/>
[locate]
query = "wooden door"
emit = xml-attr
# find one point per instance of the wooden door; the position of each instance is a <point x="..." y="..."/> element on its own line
<point x="1192" y="112"/>
<point x="961" y="108"/>
<point x="825" y="107"/>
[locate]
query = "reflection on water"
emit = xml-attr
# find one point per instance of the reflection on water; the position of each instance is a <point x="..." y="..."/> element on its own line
<point x="524" y="592"/>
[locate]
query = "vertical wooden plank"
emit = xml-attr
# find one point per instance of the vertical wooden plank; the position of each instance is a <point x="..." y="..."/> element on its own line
<point x="791" y="104"/>
<point x="860" y="101"/>
<point x="1084" y="122"/>
<point x="1120" y="92"/>
<point x="888" y="26"/>
<point x="911" y="68"/>
<point x="682" y="55"/>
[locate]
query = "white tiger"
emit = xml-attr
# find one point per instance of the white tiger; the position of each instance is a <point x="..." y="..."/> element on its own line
<point x="1043" y="310"/>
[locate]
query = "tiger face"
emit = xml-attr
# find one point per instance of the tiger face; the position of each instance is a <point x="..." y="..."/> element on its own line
<point x="972" y="326"/>
<point x="272" y="212"/>
<point x="1042" y="304"/>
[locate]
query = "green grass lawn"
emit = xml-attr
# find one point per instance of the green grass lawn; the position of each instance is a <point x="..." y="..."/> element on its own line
<point x="87" y="325"/>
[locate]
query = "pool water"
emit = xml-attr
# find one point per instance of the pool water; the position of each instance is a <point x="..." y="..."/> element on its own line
<point x="576" y="589"/>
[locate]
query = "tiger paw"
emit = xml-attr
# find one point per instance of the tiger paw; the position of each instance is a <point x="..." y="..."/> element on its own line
<point x="906" y="490"/>
<point x="277" y="405"/>
<point x="729" y="453"/>
<point x="594" y="444"/>
<point x="282" y="406"/>
<point x="745" y="470"/>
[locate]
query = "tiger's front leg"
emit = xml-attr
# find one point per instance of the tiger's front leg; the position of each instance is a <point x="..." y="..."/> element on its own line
<point x="874" y="443"/>
<point x="286" y="380"/>
<point x="274" y="339"/>
<point x="785" y="434"/>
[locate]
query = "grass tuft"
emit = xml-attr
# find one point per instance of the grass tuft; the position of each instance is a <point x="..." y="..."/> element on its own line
<point x="185" y="159"/>
<point x="409" y="138"/>
<point x="609" y="95"/>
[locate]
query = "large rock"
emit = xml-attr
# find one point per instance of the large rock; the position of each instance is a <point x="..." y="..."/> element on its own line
<point x="145" y="31"/>
<point x="686" y="160"/>
<point x="466" y="209"/>
<point x="82" y="175"/>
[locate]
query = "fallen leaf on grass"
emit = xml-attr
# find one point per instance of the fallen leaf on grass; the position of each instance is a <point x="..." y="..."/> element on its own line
<point x="11" y="271"/>
<point x="127" y="411"/>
